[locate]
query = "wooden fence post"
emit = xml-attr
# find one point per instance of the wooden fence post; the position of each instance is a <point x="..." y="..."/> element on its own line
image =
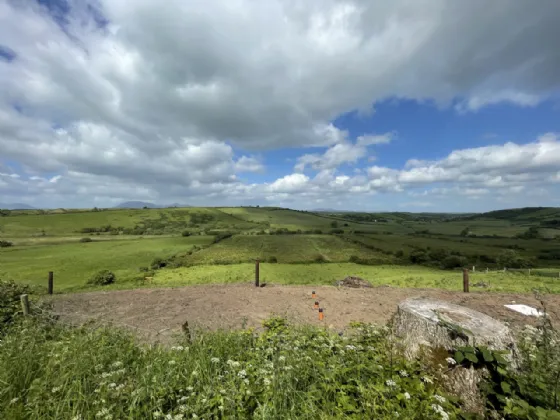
<point x="257" y="273"/>
<point x="51" y="283"/>
<point x="486" y="270"/>
<point x="473" y="268"/>
<point x="25" y="304"/>
<point x="466" y="280"/>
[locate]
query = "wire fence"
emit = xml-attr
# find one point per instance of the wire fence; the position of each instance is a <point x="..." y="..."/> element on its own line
<point x="528" y="271"/>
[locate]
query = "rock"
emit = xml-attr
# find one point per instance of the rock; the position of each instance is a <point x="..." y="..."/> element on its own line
<point x="354" y="282"/>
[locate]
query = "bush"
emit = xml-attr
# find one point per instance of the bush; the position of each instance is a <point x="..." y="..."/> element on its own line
<point x="185" y="233"/>
<point x="158" y="263"/>
<point x="512" y="259"/>
<point x="453" y="261"/>
<point x="272" y="259"/>
<point x="10" y="304"/>
<point x="102" y="278"/>
<point x="320" y="259"/>
<point x="337" y="231"/>
<point x="83" y="240"/>
<point x="354" y="259"/>
<point x="5" y="244"/>
<point x="334" y="224"/>
<point x="438" y="255"/>
<point x="317" y="231"/>
<point x="418" y="256"/>
<point x="399" y="253"/>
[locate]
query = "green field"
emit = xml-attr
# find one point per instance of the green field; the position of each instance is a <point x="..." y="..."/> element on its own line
<point x="214" y="242"/>
<point x="73" y="264"/>
<point x="327" y="274"/>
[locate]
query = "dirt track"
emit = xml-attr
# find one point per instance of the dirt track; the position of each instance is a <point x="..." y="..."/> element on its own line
<point x="156" y="314"/>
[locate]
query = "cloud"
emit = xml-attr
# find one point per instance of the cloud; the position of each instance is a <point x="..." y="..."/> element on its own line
<point x="343" y="153"/>
<point x="153" y="100"/>
<point x="248" y="164"/>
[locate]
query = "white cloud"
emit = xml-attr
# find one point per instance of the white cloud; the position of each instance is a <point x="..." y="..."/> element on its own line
<point x="248" y="164"/>
<point x="343" y="152"/>
<point x="158" y="103"/>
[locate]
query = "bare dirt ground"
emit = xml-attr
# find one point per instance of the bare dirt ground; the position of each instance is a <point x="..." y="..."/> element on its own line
<point x="157" y="314"/>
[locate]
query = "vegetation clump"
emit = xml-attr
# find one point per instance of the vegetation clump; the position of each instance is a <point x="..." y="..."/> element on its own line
<point x="102" y="278"/>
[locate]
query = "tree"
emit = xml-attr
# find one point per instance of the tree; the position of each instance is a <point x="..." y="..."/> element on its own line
<point x="466" y="231"/>
<point x="334" y="224"/>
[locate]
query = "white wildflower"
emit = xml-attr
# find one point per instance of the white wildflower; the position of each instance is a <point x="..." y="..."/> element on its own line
<point x="104" y="412"/>
<point x="221" y="407"/>
<point x="223" y="391"/>
<point x="190" y="389"/>
<point x="178" y="417"/>
<point x="172" y="362"/>
<point x="390" y="382"/>
<point x="183" y="398"/>
<point x="183" y="408"/>
<point x="451" y="361"/>
<point x="403" y="373"/>
<point x="120" y="371"/>
<point x="112" y="385"/>
<point x="106" y="374"/>
<point x="117" y="365"/>
<point x="233" y="363"/>
<point x="397" y="415"/>
<point x="242" y="373"/>
<point x="288" y="367"/>
<point x="350" y="347"/>
<point x="439" y="409"/>
<point x="204" y="401"/>
<point x="281" y="358"/>
<point x="194" y="416"/>
<point x="56" y="389"/>
<point x="194" y="373"/>
<point x="407" y="395"/>
<point x="77" y="417"/>
<point x="427" y="379"/>
<point x="246" y="381"/>
<point x="266" y="381"/>
<point x="439" y="398"/>
<point x="215" y="360"/>
<point x="14" y="400"/>
<point x="157" y="414"/>
<point x="168" y="417"/>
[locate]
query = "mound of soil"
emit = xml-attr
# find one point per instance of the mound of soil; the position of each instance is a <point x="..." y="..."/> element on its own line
<point x="351" y="281"/>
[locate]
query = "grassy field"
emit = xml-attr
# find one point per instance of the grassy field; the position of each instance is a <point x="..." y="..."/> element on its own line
<point x="74" y="263"/>
<point x="285" y="248"/>
<point x="327" y="274"/>
<point x="126" y="239"/>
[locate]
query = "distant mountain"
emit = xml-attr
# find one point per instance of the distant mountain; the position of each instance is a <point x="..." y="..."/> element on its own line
<point x="142" y="204"/>
<point x="16" y="206"/>
<point x="136" y="205"/>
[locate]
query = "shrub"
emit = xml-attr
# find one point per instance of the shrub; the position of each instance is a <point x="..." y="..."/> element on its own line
<point x="272" y="259"/>
<point x="83" y="240"/>
<point x="438" y="255"/>
<point x="334" y="224"/>
<point x="337" y="231"/>
<point x="512" y="259"/>
<point x="418" y="256"/>
<point x="320" y="259"/>
<point x="317" y="231"/>
<point x="10" y="306"/>
<point x="102" y="278"/>
<point x="399" y="253"/>
<point x="185" y="233"/>
<point x="158" y="263"/>
<point x="354" y="259"/>
<point x="453" y="261"/>
<point x="5" y="244"/>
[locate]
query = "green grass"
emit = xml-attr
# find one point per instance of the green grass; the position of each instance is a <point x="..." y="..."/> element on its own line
<point x="286" y="373"/>
<point x="286" y="248"/>
<point x="398" y="276"/>
<point x="74" y="263"/>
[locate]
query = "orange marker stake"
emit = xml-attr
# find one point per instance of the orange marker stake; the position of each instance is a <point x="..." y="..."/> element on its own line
<point x="321" y="315"/>
<point x="313" y="294"/>
<point x="316" y="305"/>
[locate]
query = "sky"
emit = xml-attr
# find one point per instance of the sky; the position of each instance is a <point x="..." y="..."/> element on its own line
<point x="387" y="105"/>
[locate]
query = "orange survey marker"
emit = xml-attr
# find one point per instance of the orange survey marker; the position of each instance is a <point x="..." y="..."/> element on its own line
<point x="321" y="315"/>
<point x="316" y="305"/>
<point x="313" y="294"/>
